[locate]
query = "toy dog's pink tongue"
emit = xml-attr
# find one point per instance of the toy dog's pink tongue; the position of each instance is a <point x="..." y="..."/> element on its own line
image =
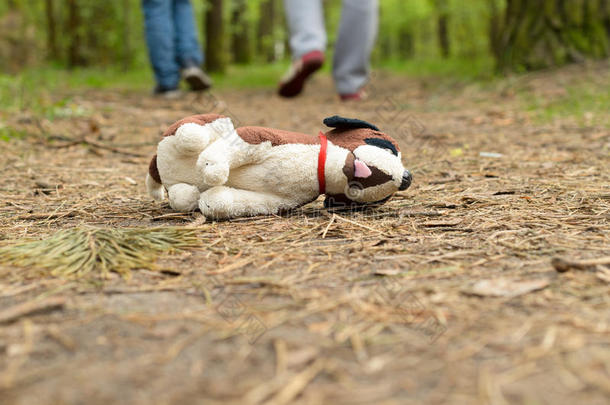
<point x="361" y="169"/>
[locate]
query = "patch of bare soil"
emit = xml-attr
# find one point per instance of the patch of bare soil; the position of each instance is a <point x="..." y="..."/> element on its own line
<point x="447" y="294"/>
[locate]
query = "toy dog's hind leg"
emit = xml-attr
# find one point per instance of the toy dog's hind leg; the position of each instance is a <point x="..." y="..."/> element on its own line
<point x="226" y="202"/>
<point x="183" y="197"/>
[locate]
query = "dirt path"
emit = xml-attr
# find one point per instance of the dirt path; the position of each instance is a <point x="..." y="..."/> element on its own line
<point x="379" y="307"/>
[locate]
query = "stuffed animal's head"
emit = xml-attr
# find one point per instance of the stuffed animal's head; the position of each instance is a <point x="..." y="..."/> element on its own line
<point x="373" y="169"/>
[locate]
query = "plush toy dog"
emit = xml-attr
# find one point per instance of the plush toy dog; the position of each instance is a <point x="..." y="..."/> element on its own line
<point x="205" y="163"/>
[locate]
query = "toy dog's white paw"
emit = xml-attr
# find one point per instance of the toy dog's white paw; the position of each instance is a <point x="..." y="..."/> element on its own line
<point x="192" y="138"/>
<point x="216" y="202"/>
<point x="215" y="174"/>
<point x="183" y="197"/>
<point x="158" y="194"/>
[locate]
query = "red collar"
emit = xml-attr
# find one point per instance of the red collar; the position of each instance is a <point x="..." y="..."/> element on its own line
<point x="322" y="162"/>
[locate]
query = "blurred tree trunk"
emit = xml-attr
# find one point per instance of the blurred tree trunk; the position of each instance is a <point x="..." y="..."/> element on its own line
<point x="240" y="40"/>
<point x="494" y="27"/>
<point x="266" y="27"/>
<point x="215" y="60"/>
<point x="442" y="9"/>
<point x="93" y="34"/>
<point x="127" y="52"/>
<point x="605" y="10"/>
<point x="75" y="57"/>
<point x="53" y="53"/>
<point x="406" y="43"/>
<point x="540" y="34"/>
<point x="386" y="48"/>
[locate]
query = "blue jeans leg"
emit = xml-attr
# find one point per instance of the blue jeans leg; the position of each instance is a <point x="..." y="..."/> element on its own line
<point x="160" y="40"/>
<point x="187" y="43"/>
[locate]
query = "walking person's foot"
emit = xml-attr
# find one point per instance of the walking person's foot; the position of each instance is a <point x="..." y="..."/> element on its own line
<point x="196" y="77"/>
<point x="292" y="83"/>
<point x="357" y="96"/>
<point x="170" y="93"/>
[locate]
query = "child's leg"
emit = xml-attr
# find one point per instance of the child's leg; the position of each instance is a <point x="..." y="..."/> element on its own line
<point x="187" y="45"/>
<point x="306" y="23"/>
<point x="357" y="32"/>
<point x="160" y="40"/>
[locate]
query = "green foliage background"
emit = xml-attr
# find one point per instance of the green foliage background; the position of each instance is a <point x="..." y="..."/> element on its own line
<point x="113" y="52"/>
<point x="111" y="32"/>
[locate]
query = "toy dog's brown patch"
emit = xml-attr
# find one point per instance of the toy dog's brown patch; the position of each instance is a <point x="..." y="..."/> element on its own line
<point x="376" y="178"/>
<point x="348" y="167"/>
<point x="153" y="170"/>
<point x="350" y="139"/>
<point x="258" y="135"/>
<point x="200" y="119"/>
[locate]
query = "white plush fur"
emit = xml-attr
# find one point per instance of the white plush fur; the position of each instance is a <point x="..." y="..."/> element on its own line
<point x="385" y="161"/>
<point x="191" y="138"/>
<point x="183" y="197"/>
<point x="211" y="167"/>
<point x="155" y="190"/>
<point x="177" y="155"/>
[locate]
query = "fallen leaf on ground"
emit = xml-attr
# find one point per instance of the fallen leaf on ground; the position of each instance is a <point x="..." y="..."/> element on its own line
<point x="490" y="154"/>
<point x="563" y="264"/>
<point x="603" y="273"/>
<point x="31" y="307"/>
<point x="387" y="272"/>
<point x="131" y="181"/>
<point x="503" y="287"/>
<point x="456" y="152"/>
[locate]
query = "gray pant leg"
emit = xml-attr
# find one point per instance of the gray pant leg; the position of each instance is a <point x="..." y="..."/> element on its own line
<point x="306" y="23"/>
<point x="357" y="34"/>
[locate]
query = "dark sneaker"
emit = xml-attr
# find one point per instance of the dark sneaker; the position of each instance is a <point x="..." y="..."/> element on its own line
<point x="292" y="83"/>
<point x="170" y="93"/>
<point x="196" y="78"/>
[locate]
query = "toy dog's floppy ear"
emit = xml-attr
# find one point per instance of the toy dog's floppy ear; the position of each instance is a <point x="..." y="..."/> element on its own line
<point x="347" y="123"/>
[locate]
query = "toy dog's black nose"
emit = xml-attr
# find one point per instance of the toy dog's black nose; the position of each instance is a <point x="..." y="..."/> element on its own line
<point x="406" y="180"/>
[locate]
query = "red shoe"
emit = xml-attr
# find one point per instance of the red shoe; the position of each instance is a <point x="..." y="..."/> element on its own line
<point x="358" y="96"/>
<point x="292" y="84"/>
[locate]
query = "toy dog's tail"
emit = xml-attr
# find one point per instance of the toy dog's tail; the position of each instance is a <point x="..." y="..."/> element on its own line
<point x="153" y="181"/>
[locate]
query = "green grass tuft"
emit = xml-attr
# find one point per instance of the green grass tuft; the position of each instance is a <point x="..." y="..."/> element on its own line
<point x="587" y="103"/>
<point x="83" y="252"/>
<point x="453" y="68"/>
<point x="9" y="133"/>
<point x="251" y="76"/>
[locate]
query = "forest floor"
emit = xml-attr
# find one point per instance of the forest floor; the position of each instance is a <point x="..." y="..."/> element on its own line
<point x="446" y="294"/>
